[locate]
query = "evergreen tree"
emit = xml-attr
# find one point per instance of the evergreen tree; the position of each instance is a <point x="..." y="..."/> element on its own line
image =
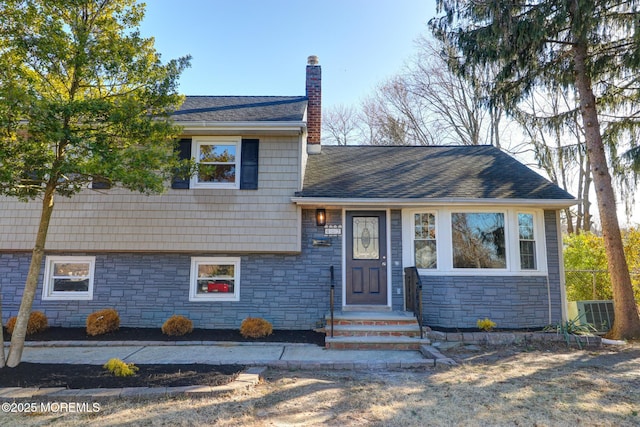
<point x="591" y="47"/>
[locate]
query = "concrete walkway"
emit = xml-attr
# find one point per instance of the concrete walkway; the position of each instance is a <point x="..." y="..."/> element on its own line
<point x="277" y="355"/>
<point x="258" y="356"/>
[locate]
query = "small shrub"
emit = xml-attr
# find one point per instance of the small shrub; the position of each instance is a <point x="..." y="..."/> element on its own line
<point x="177" y="325"/>
<point x="102" y="322"/>
<point x="486" y="324"/>
<point x="255" y="327"/>
<point x="572" y="328"/>
<point x="37" y="323"/>
<point x="120" y="369"/>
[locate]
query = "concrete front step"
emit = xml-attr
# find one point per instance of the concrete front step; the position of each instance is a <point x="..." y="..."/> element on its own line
<point x="352" y="330"/>
<point x="372" y="318"/>
<point x="410" y="330"/>
<point x="375" y="343"/>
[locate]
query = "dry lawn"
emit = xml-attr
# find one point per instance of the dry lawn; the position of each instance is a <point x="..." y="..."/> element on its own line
<point x="491" y="387"/>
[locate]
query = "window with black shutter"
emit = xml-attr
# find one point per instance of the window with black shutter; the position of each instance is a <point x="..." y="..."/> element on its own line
<point x="100" y="183"/>
<point x="219" y="166"/>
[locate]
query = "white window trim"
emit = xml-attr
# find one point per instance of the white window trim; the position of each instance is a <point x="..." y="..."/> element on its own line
<point x="439" y="255"/>
<point x="536" y="240"/>
<point x="445" y="248"/>
<point x="389" y="255"/>
<point x="48" y="294"/>
<point x="193" y="282"/>
<point x="221" y="140"/>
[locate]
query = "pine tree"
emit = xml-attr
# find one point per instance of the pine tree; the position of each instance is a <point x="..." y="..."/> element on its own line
<point x="591" y="47"/>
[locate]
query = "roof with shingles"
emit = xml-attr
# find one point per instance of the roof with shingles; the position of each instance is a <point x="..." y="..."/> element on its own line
<point x="242" y="109"/>
<point x="423" y="172"/>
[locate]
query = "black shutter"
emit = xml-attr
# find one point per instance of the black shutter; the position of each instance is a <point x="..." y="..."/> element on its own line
<point x="184" y="153"/>
<point x="249" y="164"/>
<point x="99" y="183"/>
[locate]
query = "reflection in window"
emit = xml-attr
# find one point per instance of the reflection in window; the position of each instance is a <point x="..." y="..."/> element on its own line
<point x="527" y="242"/>
<point x="215" y="279"/>
<point x="478" y="240"/>
<point x="216" y="163"/>
<point x="424" y="240"/>
<point x="69" y="278"/>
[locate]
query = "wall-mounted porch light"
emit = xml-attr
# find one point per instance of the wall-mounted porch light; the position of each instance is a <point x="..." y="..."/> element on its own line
<point x="321" y="217"/>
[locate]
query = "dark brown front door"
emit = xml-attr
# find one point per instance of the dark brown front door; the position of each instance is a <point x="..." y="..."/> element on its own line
<point x="366" y="263"/>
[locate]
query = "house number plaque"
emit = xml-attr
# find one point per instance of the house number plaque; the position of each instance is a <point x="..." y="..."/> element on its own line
<point x="333" y="230"/>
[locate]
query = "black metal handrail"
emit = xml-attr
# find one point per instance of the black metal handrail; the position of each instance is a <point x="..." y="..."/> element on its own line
<point x="414" y="294"/>
<point x="332" y="294"/>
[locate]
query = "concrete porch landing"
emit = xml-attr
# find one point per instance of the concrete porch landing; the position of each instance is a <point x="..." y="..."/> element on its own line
<point x="369" y="330"/>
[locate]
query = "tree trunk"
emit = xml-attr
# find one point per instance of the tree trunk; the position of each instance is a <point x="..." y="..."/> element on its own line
<point x="586" y="203"/>
<point x="20" y="330"/>
<point x="627" y="323"/>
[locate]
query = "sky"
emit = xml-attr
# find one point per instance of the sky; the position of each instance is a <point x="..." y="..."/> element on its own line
<point x="260" y="47"/>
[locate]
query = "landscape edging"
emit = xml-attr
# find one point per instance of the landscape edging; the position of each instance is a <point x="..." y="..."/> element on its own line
<point x="504" y="338"/>
<point x="248" y="378"/>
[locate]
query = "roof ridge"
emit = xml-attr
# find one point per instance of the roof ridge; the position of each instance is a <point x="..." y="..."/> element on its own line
<point x="245" y="96"/>
<point x="416" y="146"/>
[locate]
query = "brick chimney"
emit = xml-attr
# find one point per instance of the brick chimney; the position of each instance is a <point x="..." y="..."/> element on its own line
<point x="314" y="105"/>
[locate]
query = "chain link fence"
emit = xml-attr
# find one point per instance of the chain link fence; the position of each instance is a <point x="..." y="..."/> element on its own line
<point x="595" y="285"/>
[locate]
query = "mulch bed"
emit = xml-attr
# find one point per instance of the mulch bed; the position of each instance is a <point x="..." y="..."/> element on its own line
<point x="94" y="376"/>
<point x="155" y="334"/>
<point x="170" y="375"/>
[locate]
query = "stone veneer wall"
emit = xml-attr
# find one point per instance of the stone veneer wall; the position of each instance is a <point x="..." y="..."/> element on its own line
<point x="397" y="273"/>
<point x="510" y="301"/>
<point x="289" y="290"/>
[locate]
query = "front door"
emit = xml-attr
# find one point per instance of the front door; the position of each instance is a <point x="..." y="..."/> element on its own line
<point x="366" y="253"/>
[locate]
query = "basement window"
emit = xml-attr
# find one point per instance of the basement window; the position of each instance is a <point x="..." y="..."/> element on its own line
<point x="215" y="279"/>
<point x="68" y="278"/>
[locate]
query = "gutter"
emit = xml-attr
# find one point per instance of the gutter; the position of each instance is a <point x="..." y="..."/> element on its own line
<point x="298" y="126"/>
<point x="403" y="202"/>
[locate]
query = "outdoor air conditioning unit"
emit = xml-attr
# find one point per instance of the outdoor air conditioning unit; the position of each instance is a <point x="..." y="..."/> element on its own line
<point x="597" y="313"/>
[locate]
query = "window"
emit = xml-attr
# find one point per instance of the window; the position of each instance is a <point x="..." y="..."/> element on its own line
<point x="474" y="241"/>
<point x="527" y="240"/>
<point x="425" y="240"/>
<point x="218" y="161"/>
<point x="215" y="279"/>
<point x="478" y="240"/>
<point x="68" y="278"/>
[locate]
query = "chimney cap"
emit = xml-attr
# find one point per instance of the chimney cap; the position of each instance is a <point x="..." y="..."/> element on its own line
<point x="312" y="60"/>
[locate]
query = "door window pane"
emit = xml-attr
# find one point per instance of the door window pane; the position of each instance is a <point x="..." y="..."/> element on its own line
<point x="366" y="238"/>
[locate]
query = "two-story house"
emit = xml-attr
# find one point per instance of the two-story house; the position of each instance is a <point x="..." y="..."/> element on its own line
<point x="257" y="229"/>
